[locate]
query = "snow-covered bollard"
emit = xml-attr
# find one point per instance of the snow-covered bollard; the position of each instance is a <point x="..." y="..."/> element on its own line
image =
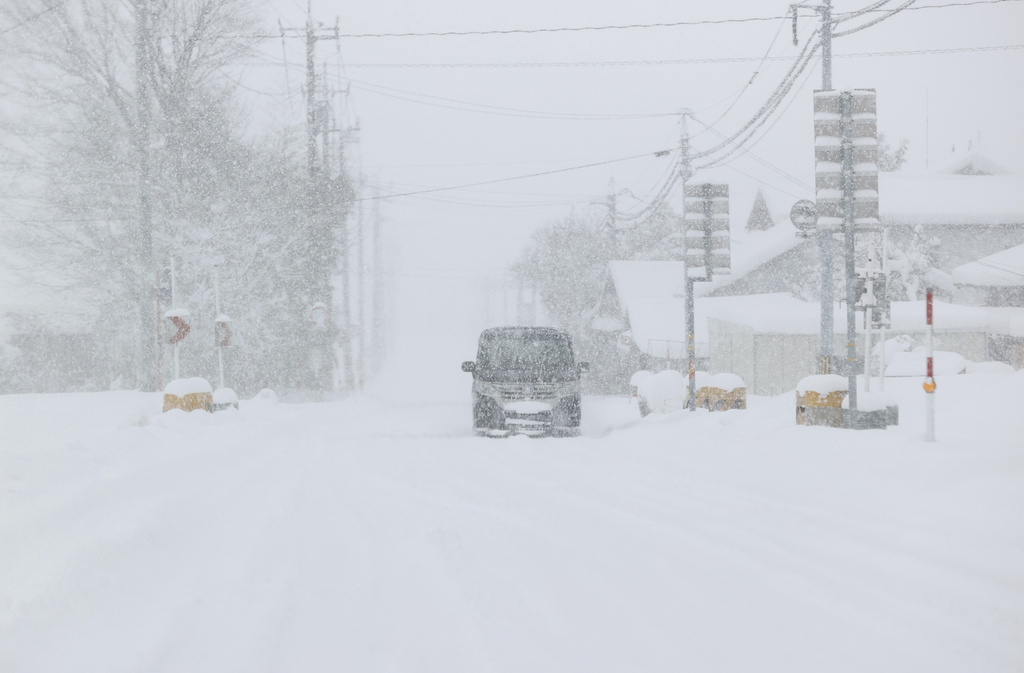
<point x="819" y="400"/>
<point x="634" y="390"/>
<point x="189" y="395"/>
<point x="661" y="393"/>
<point x="224" y="398"/>
<point x="702" y="382"/>
<point x="726" y="391"/>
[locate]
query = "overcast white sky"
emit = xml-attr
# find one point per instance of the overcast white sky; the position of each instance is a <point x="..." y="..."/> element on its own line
<point x="408" y="141"/>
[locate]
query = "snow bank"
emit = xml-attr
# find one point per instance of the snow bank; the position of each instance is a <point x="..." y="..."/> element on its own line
<point x="989" y="368"/>
<point x="225" y="396"/>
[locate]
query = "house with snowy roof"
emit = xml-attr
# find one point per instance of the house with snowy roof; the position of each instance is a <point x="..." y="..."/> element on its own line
<point x="996" y="280"/>
<point x="761" y="322"/>
<point x="962" y="213"/>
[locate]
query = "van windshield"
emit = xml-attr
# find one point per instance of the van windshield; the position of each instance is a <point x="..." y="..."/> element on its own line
<point x="524" y="351"/>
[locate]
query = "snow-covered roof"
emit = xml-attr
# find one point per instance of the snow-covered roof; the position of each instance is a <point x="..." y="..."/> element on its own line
<point x="1005" y="269"/>
<point x="974" y="163"/>
<point x="645" y="280"/>
<point x="911" y="199"/>
<point x="781" y="313"/>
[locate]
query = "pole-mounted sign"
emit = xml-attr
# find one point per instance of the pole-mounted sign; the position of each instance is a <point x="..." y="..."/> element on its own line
<point x="177" y="317"/>
<point x="856" y="179"/>
<point x="705" y="252"/>
<point x="706" y="231"/>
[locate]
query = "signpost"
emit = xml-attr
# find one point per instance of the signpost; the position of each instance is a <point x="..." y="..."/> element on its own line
<point x="804" y="216"/>
<point x="706" y="252"/>
<point x="846" y="185"/>
<point x="929" y="378"/>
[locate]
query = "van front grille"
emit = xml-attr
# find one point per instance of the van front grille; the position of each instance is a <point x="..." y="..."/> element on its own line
<point x="514" y="392"/>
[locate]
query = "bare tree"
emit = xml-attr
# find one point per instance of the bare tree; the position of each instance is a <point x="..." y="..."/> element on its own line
<point x="131" y="145"/>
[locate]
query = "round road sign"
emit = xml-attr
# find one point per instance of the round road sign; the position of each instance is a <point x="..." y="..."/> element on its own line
<point x="804" y="215"/>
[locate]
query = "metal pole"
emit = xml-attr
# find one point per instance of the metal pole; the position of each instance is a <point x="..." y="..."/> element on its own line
<point x="825" y="242"/>
<point x="826" y="46"/>
<point x="174" y="304"/>
<point x="142" y="239"/>
<point x="849" y="225"/>
<point x="216" y="308"/>
<point x="929" y="380"/>
<point x="867" y="340"/>
<point x="159" y="337"/>
<point x="885" y="275"/>
<point x="686" y="172"/>
<point x="691" y="354"/>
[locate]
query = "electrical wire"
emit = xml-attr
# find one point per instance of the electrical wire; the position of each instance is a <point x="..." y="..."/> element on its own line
<point x="496" y="110"/>
<point x="509" y="179"/>
<point x="880" y="19"/>
<point x="846" y="16"/>
<point x="801" y="62"/>
<point x="269" y="62"/>
<point x="746" y="151"/>
<point x="750" y="82"/>
<point x="633" y="26"/>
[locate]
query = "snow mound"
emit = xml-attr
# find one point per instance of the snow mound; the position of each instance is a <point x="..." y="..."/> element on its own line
<point x="726" y="382"/>
<point x="266" y="396"/>
<point x="635" y="379"/>
<point x="225" y="396"/>
<point x="664" y="392"/>
<point x="182" y="387"/>
<point x="869" y="401"/>
<point x="823" y="384"/>
<point x="989" y="368"/>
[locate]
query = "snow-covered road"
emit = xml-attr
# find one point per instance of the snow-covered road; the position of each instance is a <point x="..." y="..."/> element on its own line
<point x="365" y="535"/>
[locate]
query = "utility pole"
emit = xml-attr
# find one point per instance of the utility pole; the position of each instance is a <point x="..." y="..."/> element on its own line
<point x="360" y="377"/>
<point x="685" y="173"/>
<point x="379" y="297"/>
<point x="320" y="240"/>
<point x="141" y="243"/>
<point x="340" y="210"/>
<point x="849" y="236"/>
<point x="825" y="243"/>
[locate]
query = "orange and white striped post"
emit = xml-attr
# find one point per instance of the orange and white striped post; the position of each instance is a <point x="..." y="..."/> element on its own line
<point x="929" y="378"/>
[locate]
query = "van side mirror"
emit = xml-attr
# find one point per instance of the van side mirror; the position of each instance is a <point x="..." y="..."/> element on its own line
<point x="583" y="367"/>
<point x="469" y="366"/>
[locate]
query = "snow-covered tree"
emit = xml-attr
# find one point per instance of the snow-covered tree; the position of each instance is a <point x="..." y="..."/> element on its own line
<point x="77" y="71"/>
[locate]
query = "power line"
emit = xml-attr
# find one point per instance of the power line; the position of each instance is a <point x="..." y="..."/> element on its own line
<point x="873" y="22"/>
<point x="494" y="109"/>
<point x="631" y="26"/>
<point x="517" y="177"/>
<point x="690" y="61"/>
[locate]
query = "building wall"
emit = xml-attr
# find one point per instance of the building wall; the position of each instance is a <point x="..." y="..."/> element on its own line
<point x="771" y="364"/>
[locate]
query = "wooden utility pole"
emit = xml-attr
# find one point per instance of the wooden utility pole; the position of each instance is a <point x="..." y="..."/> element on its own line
<point x="141" y="240"/>
<point x="322" y="205"/>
